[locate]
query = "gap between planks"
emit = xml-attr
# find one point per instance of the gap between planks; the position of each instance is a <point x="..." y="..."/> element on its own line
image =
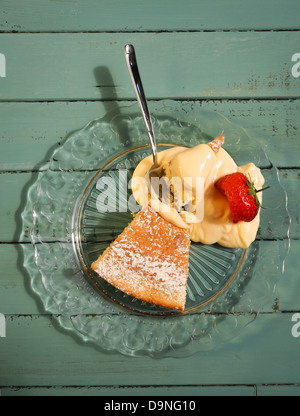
<point x="154" y="100"/>
<point x="17" y="172"/>
<point x="157" y="31"/>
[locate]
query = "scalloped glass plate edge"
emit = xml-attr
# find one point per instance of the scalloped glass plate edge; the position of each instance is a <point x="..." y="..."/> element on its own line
<point x="175" y="347"/>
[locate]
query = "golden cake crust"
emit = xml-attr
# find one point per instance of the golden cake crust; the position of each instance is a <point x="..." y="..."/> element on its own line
<point x="149" y="261"/>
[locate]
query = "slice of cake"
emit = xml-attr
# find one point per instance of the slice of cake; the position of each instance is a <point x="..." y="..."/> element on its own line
<point x="149" y="261"/>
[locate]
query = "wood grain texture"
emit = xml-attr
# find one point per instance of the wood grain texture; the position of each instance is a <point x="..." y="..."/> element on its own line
<point x="12" y="204"/>
<point x="30" y="132"/>
<point x="258" y="390"/>
<point x="173" y="65"/>
<point x="65" y="67"/>
<point x="17" y="297"/>
<point x="151" y="392"/>
<point x="132" y="15"/>
<point x="38" y="353"/>
<point x="279" y="390"/>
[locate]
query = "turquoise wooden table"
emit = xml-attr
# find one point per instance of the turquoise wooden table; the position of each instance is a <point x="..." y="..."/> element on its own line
<point x="61" y="66"/>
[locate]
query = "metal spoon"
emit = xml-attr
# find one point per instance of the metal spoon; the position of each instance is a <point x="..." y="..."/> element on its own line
<point x="155" y="171"/>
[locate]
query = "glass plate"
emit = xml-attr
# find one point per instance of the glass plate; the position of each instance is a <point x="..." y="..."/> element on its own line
<point x="226" y="287"/>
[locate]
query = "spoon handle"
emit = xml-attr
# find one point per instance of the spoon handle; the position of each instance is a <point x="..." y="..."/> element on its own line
<point x="139" y="91"/>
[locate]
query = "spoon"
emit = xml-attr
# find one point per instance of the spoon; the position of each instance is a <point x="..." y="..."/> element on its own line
<point x="156" y="171"/>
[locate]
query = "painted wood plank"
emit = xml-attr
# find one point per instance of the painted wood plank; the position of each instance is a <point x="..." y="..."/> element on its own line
<point x="15" y="282"/>
<point x="273" y="124"/>
<point x="17" y="297"/>
<point x="13" y="203"/>
<point x="37" y="353"/>
<point x="30" y="132"/>
<point x="292" y="177"/>
<point x="14" y="197"/>
<point x="163" y="391"/>
<point x="278" y="391"/>
<point x="181" y="391"/>
<point x="92" y="15"/>
<point x="174" y="65"/>
<point x="286" y="296"/>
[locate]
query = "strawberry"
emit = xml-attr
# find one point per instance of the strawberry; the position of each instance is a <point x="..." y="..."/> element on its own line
<point x="242" y="196"/>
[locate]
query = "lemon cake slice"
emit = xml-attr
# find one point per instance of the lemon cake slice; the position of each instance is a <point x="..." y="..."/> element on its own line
<point x="149" y="261"/>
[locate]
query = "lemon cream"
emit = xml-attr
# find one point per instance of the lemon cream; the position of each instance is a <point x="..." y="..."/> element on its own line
<point x="212" y="223"/>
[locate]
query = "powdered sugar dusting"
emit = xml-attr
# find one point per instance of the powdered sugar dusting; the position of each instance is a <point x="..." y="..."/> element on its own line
<point x="149" y="260"/>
